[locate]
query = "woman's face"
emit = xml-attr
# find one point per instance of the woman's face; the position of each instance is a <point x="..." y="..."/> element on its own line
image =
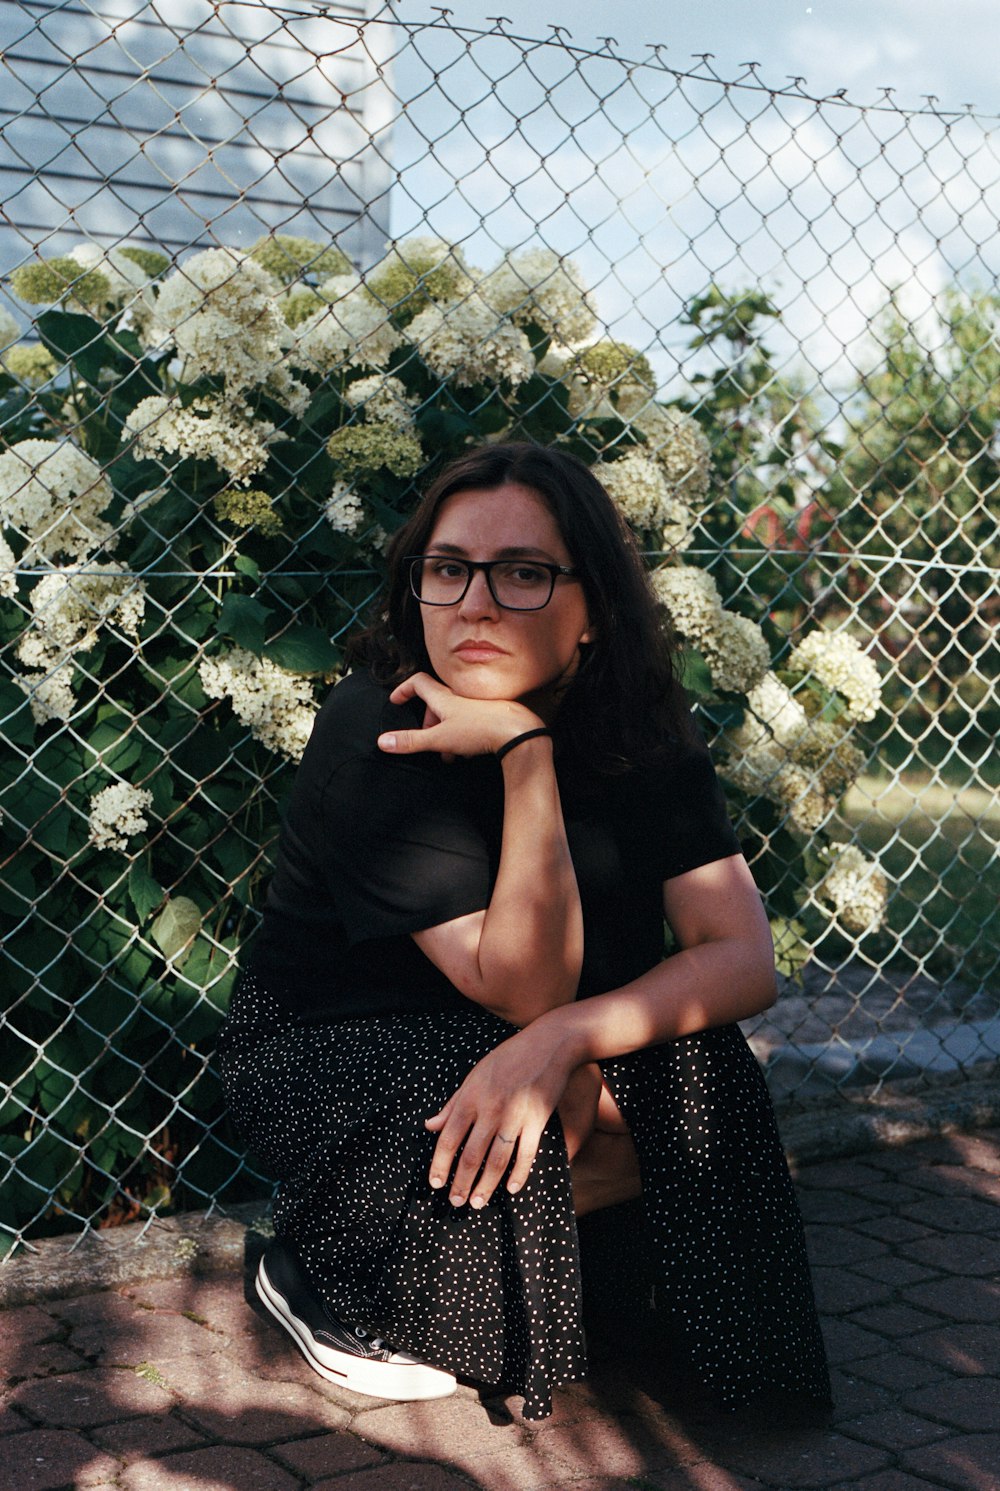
<point x="478" y="648"/>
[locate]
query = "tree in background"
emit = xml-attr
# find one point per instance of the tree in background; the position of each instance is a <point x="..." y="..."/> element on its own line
<point x="918" y="487"/>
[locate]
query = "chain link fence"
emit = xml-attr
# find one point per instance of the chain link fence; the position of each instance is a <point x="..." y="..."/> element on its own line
<point x="769" y="319"/>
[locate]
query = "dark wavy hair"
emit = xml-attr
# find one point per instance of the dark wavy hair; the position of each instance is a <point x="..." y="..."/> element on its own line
<point x="625" y="702"/>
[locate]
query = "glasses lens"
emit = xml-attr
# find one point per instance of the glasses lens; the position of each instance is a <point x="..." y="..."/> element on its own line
<point x="439" y="581"/>
<point x="520" y="585"/>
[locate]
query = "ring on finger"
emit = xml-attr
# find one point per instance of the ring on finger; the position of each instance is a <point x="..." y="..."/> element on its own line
<point x="504" y="1140"/>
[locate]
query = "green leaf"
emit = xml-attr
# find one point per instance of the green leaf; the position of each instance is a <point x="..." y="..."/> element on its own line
<point x="42" y="811"/>
<point x="696" y="676"/>
<point x="116" y="742"/>
<point x="17" y="724"/>
<point x="175" y="927"/>
<point x="247" y="566"/>
<point x="144" y="892"/>
<point x="245" y="620"/>
<point x="791" y="945"/>
<point x="75" y="338"/>
<point x="304" y="649"/>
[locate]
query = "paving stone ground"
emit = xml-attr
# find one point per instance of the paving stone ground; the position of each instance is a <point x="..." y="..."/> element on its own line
<point x="181" y="1386"/>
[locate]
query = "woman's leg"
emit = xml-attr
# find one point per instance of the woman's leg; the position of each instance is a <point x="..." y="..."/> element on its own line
<point x="605" y="1170"/>
<point x="605" y="1173"/>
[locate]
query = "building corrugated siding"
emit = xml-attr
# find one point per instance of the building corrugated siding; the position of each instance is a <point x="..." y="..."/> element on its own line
<point x="232" y="119"/>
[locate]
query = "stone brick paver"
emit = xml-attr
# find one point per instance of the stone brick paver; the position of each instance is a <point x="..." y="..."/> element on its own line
<point x="178" y="1385"/>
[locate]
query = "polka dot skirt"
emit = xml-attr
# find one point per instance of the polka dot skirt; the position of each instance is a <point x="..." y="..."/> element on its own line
<point x="336" y="1112"/>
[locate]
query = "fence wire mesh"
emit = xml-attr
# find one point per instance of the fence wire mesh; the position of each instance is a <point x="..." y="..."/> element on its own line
<point x="768" y="319"/>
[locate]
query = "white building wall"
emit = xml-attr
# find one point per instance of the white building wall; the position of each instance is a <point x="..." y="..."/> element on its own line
<point x="190" y="123"/>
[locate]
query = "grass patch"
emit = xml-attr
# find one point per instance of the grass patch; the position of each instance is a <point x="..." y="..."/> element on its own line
<point x="938" y="847"/>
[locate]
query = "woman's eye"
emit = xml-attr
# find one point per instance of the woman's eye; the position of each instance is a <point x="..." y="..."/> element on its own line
<point x="447" y="569"/>
<point x="527" y="574"/>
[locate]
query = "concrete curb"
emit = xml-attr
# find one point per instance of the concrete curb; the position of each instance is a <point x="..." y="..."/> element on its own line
<point x="193" y="1243"/>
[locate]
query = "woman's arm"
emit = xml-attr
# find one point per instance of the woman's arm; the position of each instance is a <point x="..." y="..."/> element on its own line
<point x="522" y="955"/>
<point x="724" y="971"/>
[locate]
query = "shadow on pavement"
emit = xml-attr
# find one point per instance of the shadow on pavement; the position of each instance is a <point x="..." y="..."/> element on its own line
<point x="178" y="1385"/>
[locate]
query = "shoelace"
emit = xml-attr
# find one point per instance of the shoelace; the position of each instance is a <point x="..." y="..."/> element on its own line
<point x="377" y="1343"/>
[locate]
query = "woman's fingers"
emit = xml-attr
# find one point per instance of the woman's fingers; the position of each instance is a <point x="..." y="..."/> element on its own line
<point x="474" y="1154"/>
<point x="406" y="742"/>
<point x="454" y="724"/>
<point x="527" y="1149"/>
<point x="422" y="685"/>
<point x="483" y="1152"/>
<point x="498" y="1158"/>
<point x="453" y="1131"/>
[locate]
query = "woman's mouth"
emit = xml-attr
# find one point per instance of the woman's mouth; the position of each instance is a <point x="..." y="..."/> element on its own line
<point x="477" y="650"/>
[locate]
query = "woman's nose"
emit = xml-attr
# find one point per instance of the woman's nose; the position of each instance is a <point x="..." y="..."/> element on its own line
<point x="478" y="599"/>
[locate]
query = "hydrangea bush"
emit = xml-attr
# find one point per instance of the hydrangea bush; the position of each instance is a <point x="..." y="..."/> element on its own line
<point x="201" y="465"/>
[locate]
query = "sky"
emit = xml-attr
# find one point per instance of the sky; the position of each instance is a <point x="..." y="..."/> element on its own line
<point x="917" y="47"/>
<point x="666" y="188"/>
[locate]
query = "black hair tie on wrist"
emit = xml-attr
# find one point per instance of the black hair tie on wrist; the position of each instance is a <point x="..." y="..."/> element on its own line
<point x="528" y="735"/>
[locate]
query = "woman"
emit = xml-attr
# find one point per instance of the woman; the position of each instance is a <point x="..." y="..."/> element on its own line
<point x="459" y="1033"/>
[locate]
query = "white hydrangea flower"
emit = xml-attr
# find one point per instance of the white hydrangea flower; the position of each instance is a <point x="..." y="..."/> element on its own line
<point x="773" y="712"/>
<point x="734" y="647"/>
<point x="691" y="596"/>
<point x="417" y="270"/>
<point x="464" y="342"/>
<point x="761" y="755"/>
<point x="766" y="771"/>
<point x="116" y="814"/>
<point x="542" y="287"/>
<point x="50" y="694"/>
<point x="10" y="332"/>
<point x="344" y="511"/>
<point x="353" y="331"/>
<point x="637" y="487"/>
<point x="828" y="752"/>
<point x="70" y="605"/>
<point x="382" y="399"/>
<point x="125" y="278"/>
<point x="837" y="661"/>
<point x="209" y="429"/>
<point x="778" y="752"/>
<point x="675" y="439"/>
<point x="8" y="570"/>
<point x="278" y="707"/>
<point x="221" y="310"/>
<point x="736" y="651"/>
<point x="586" y="400"/>
<point x="855" y="888"/>
<point x="52" y="493"/>
<point x="339" y="285"/>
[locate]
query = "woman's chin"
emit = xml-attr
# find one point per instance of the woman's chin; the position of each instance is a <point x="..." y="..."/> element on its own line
<point x="476" y="681"/>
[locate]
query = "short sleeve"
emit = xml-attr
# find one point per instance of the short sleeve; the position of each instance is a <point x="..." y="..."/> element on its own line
<point x="402" y="851"/>
<point x="693" y="819"/>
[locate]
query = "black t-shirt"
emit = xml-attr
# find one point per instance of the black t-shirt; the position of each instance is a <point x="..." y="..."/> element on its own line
<point x="376" y="846"/>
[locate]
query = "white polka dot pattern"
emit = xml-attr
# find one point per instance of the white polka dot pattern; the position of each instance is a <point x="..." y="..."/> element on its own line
<point x="335" y="1110"/>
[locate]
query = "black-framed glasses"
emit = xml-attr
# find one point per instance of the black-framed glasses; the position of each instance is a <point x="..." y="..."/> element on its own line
<point x="515" y="584"/>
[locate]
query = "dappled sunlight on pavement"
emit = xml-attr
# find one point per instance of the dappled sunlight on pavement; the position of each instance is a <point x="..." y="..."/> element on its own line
<point x="180" y="1385"/>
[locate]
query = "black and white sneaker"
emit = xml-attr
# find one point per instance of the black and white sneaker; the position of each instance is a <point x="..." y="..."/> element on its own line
<point x="343" y="1354"/>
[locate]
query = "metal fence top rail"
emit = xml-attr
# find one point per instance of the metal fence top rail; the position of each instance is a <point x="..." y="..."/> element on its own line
<point x="447" y="23"/>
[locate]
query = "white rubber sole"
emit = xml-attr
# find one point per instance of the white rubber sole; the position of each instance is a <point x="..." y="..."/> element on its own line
<point x="405" y="1381"/>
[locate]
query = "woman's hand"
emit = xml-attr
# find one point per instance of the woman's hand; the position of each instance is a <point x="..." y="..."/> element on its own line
<point x="498" y="1113"/>
<point x="453" y="724"/>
